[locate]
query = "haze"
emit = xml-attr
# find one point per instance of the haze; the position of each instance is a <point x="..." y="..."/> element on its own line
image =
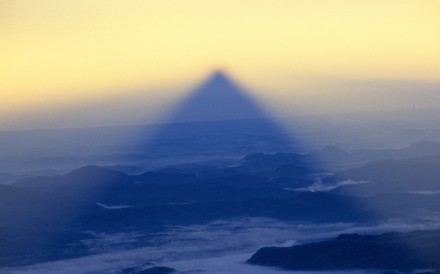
<point x="93" y="63"/>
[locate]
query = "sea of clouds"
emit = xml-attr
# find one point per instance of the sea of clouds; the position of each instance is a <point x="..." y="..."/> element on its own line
<point x="218" y="247"/>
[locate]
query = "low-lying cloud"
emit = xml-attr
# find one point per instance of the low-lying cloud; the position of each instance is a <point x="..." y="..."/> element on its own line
<point x="218" y="247"/>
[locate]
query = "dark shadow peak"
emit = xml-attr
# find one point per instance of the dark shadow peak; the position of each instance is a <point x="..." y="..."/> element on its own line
<point x="218" y="97"/>
<point x="219" y="74"/>
<point x="219" y="81"/>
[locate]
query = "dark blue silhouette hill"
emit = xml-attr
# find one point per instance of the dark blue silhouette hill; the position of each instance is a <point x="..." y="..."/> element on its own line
<point x="392" y="251"/>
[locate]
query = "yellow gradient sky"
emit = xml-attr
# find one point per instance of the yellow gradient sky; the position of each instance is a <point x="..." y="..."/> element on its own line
<point x="57" y="51"/>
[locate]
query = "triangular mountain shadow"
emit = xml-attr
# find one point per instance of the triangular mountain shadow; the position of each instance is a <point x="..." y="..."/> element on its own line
<point x="218" y="98"/>
<point x="218" y="118"/>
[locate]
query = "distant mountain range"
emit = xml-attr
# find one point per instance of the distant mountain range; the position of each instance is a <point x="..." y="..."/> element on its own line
<point x="42" y="216"/>
<point x="414" y="174"/>
<point x="335" y="158"/>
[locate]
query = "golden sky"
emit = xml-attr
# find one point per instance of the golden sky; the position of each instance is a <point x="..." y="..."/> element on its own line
<point x="59" y="51"/>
